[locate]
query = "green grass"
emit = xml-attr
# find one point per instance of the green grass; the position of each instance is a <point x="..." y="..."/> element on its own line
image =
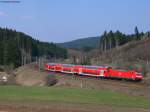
<point x="72" y="95"/>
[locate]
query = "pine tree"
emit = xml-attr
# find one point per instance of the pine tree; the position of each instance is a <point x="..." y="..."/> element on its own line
<point x="118" y="38"/>
<point x="17" y="48"/>
<point x="105" y="41"/>
<point x="137" y="35"/>
<point x="110" y="40"/>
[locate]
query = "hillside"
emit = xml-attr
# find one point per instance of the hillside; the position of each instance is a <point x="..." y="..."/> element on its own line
<point x="133" y="55"/>
<point x="17" y="48"/>
<point x="91" y="42"/>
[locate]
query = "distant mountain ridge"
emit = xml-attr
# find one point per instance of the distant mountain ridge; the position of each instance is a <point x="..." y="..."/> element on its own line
<point x="91" y="42"/>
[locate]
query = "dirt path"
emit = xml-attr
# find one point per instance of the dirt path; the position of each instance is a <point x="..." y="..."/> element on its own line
<point x="58" y="107"/>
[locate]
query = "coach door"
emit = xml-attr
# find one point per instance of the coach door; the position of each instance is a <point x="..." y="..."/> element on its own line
<point x="80" y="70"/>
<point x="102" y="73"/>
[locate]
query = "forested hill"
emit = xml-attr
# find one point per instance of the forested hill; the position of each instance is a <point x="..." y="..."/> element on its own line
<point x="90" y="42"/>
<point x="17" y="48"/>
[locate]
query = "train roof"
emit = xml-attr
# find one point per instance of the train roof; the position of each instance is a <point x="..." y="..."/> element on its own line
<point x="95" y="67"/>
<point x="68" y="65"/>
<point x="84" y="66"/>
<point x="52" y="63"/>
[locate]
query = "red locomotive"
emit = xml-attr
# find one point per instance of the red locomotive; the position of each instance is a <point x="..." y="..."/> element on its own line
<point x="95" y="71"/>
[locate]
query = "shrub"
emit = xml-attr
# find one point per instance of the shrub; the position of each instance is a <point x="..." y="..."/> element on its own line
<point x="51" y="80"/>
<point x="1" y="69"/>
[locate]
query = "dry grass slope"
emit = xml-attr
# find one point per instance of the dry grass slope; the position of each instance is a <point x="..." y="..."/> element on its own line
<point x="27" y="76"/>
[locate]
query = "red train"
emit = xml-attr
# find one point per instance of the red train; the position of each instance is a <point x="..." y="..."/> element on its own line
<point x="95" y="71"/>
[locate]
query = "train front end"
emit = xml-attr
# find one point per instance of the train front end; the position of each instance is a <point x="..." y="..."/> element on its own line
<point x="138" y="76"/>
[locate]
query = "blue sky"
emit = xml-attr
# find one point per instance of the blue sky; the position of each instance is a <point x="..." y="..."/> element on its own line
<point x="65" y="20"/>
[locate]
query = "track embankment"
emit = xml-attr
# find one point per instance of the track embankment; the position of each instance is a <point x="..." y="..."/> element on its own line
<point x="31" y="76"/>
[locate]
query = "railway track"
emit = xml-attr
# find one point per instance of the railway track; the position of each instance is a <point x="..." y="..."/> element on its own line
<point x="113" y="82"/>
<point x="124" y="86"/>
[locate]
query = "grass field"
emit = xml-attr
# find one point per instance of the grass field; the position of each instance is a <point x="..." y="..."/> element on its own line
<point x="72" y="95"/>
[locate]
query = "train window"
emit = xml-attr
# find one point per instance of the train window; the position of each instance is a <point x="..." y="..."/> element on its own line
<point x="52" y="64"/>
<point x="67" y="65"/>
<point x="93" y="67"/>
<point x="138" y="73"/>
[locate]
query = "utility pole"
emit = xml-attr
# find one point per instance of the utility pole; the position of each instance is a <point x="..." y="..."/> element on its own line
<point x="39" y="64"/>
